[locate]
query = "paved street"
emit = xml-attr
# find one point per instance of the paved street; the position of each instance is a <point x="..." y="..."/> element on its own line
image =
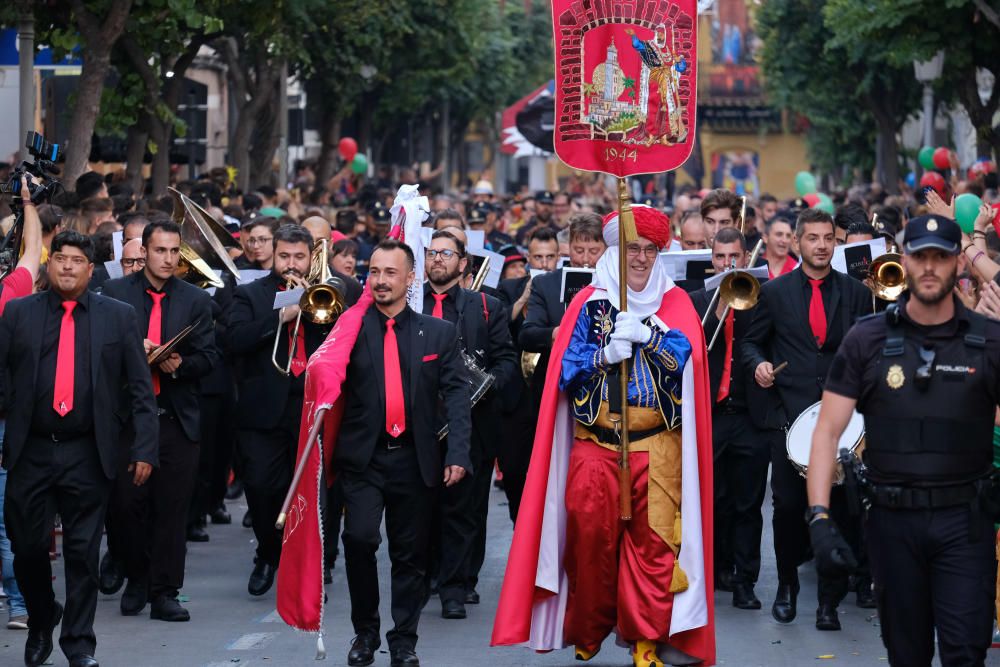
<point x="230" y="628"/>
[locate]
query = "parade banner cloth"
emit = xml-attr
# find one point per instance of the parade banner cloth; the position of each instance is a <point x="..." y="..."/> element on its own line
<point x="626" y="84"/>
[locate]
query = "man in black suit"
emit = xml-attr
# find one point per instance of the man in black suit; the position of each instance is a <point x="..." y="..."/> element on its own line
<point x="801" y="318"/>
<point x="741" y="453"/>
<point x="485" y="338"/>
<point x="388" y="455"/>
<point x="269" y="406"/>
<point x="68" y="352"/>
<point x="150" y="523"/>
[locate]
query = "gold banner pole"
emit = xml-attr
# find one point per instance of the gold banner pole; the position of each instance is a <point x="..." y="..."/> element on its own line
<point x="626" y="234"/>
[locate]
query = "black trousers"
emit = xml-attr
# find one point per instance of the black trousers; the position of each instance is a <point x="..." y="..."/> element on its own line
<point x="391" y="483"/>
<point x="934" y="570"/>
<point x="333" y="512"/>
<point x="267" y="463"/>
<point x="211" y="420"/>
<point x="152" y="519"/>
<point x="224" y="447"/>
<point x="741" y="455"/>
<point x="514" y="448"/>
<point x="64" y="478"/>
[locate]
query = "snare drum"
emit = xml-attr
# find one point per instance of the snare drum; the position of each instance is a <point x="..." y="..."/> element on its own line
<point x="799" y="440"/>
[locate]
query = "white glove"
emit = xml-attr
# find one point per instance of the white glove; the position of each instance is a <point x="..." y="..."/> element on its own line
<point x="617" y="350"/>
<point x="629" y="327"/>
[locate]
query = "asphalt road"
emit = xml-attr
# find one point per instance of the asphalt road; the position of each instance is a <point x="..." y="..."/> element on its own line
<point x="230" y="628"/>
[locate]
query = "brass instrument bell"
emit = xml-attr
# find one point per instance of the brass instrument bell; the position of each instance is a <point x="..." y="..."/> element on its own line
<point x="203" y="244"/>
<point x="887" y="277"/>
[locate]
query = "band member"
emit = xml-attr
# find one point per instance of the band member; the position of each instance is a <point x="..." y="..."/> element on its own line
<point x="801" y="318"/>
<point x="484" y="336"/>
<point x="68" y="352"/>
<point x="257" y="239"/>
<point x="269" y="406"/>
<point x="741" y="453"/>
<point x="641" y="576"/>
<point x="719" y="209"/>
<point x="150" y="522"/>
<point x="924" y="375"/>
<point x="778" y="239"/>
<point x="387" y="451"/>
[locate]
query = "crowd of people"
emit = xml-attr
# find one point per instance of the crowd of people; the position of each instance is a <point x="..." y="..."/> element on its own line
<point x="136" y="400"/>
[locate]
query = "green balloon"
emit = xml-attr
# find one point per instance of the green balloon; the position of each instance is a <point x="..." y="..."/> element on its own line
<point x="926" y="157"/>
<point x="359" y="164"/>
<point x="805" y="183"/>
<point x="967" y="210"/>
<point x="825" y="203"/>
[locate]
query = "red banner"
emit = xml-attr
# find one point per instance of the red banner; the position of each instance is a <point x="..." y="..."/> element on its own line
<point x="626" y="84"/>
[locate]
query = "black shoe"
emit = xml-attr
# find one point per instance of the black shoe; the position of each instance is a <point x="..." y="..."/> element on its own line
<point x="363" y="650"/>
<point x="247" y="521"/>
<point x="234" y="490"/>
<point x="471" y="597"/>
<point x="220" y="516"/>
<point x="783" y="610"/>
<point x="83" y="660"/>
<point x="111" y="576"/>
<point x="135" y="597"/>
<point x="744" y="597"/>
<point x="327" y="576"/>
<point x="724" y="581"/>
<point x="168" y="609"/>
<point x="865" y="598"/>
<point x="404" y="657"/>
<point x="261" y="579"/>
<point x="197" y="533"/>
<point x="826" y="617"/>
<point x="452" y="609"/>
<point x="38" y="646"/>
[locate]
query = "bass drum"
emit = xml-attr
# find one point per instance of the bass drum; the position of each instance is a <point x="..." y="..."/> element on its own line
<point x="799" y="439"/>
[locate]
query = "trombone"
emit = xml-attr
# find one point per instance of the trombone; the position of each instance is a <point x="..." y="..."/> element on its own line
<point x="886" y="277"/>
<point x="321" y="302"/>
<point x="739" y="290"/>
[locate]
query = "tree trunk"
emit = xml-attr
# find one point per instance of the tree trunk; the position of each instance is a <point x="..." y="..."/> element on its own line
<point x="161" y="133"/>
<point x="239" y="149"/>
<point x="96" y="63"/>
<point x="981" y="114"/>
<point x="135" y="152"/>
<point x="264" y="140"/>
<point x="326" y="165"/>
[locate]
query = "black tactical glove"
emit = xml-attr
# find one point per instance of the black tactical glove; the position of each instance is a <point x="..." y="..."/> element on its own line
<point x="833" y="555"/>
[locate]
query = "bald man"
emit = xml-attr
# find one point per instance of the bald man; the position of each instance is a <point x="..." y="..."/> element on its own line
<point x="317" y="226"/>
<point x="133" y="256"/>
<point x="694" y="235"/>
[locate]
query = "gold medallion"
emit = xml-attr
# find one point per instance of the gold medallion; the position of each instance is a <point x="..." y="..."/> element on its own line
<point x="894" y="378"/>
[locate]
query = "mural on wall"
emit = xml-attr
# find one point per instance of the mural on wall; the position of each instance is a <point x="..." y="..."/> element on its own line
<point x="736" y="170"/>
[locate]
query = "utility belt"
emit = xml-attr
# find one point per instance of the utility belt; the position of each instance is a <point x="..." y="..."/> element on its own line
<point x="921" y="498"/>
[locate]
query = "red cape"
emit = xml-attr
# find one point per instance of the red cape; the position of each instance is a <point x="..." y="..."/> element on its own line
<point x="512" y="624"/>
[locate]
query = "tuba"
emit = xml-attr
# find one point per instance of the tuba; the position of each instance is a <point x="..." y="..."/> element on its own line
<point x="204" y="244"/>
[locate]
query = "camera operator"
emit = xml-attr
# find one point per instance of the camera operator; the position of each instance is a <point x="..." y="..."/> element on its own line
<point x="19" y="281"/>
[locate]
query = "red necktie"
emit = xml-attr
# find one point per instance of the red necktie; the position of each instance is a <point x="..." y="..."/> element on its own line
<point x="817" y="313"/>
<point x="727" y="366"/>
<point x="62" y="397"/>
<point x="395" y="410"/>
<point x="155" y="332"/>
<point x="438" y="311"/>
<point x="299" y="360"/>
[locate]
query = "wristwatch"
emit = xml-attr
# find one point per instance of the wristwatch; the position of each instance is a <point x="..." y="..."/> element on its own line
<point x="817" y="512"/>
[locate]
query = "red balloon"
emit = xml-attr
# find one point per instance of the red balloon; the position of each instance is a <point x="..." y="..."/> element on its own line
<point x="934" y="180"/>
<point x="348" y="148"/>
<point x="812" y="199"/>
<point x="942" y="158"/>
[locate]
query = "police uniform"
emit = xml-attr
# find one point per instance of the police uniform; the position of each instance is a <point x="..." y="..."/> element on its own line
<point x="928" y="395"/>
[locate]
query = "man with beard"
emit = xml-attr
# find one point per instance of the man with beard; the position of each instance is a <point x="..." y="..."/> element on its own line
<point x="270" y="402"/>
<point x="484" y="336"/>
<point x="925" y="376"/>
<point x="542" y="217"/>
<point x="801" y="318"/>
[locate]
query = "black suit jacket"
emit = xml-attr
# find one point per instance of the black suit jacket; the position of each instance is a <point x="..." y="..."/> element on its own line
<point x="510" y="291"/>
<point x="780" y="332"/>
<point x="187" y="305"/>
<point x="250" y="331"/>
<point x="437" y="372"/>
<point x="545" y="311"/>
<point x="117" y="363"/>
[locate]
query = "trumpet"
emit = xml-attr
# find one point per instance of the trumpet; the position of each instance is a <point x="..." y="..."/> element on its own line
<point x="739" y="291"/>
<point x="886" y="277"/>
<point x="321" y="302"/>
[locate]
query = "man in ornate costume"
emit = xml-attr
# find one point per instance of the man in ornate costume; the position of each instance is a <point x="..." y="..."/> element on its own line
<point x="577" y="570"/>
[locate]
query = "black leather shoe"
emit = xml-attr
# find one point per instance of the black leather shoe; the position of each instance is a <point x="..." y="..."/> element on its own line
<point x="135" y="597"/>
<point x="327" y="576"/>
<point x="826" y="618"/>
<point x="83" y="660"/>
<point x="783" y="610"/>
<point x="471" y="597"/>
<point x="197" y="533"/>
<point x="261" y="579"/>
<point x="744" y="597"/>
<point x="404" y="657"/>
<point x="724" y="581"/>
<point x="363" y="650"/>
<point x="234" y="490"/>
<point x="865" y="598"/>
<point x="38" y="646"/>
<point x="168" y="609"/>
<point x="111" y="576"/>
<point x="452" y="609"/>
<point x="221" y="517"/>
<point x="247" y="521"/>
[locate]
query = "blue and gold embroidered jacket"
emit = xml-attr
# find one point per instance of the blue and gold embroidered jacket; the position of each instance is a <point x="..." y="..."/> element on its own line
<point x="655" y="381"/>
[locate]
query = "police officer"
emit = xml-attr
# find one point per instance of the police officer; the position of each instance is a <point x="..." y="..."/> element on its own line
<point x="926" y="376"/>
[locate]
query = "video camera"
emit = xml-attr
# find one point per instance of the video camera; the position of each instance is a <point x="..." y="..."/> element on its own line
<point x="43" y="168"/>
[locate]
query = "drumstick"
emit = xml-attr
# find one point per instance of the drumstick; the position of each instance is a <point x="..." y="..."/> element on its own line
<point x="780" y="367"/>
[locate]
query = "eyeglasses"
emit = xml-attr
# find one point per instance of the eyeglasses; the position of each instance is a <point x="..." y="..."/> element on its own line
<point x="922" y="378"/>
<point x="260" y="240"/>
<point x="445" y="254"/>
<point x="128" y="263"/>
<point x="634" y="251"/>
